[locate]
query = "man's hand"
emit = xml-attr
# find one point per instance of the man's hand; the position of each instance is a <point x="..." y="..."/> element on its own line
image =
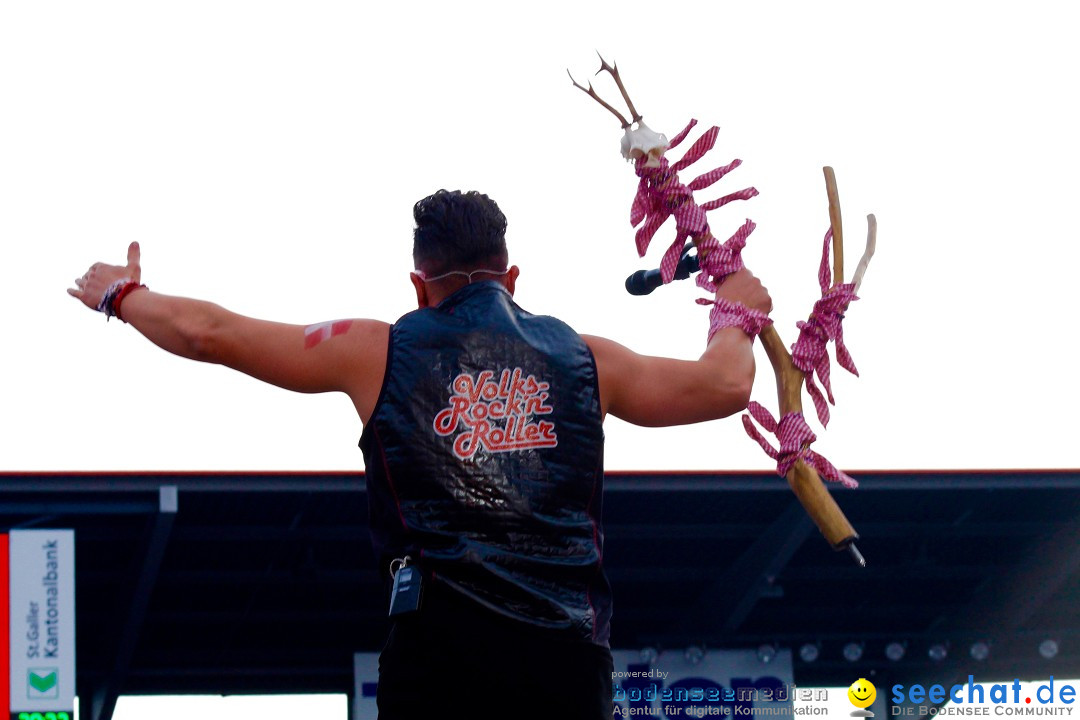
<point x="743" y="287"/>
<point x="91" y="287"/>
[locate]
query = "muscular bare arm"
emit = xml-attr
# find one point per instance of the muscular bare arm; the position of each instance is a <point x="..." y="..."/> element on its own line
<point x="659" y="391"/>
<point x="347" y="356"/>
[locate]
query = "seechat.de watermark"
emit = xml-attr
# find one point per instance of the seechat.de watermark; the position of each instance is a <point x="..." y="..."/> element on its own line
<point x="995" y="699"/>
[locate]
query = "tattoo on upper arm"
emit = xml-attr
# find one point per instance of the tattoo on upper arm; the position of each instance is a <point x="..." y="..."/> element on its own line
<point x="315" y="334"/>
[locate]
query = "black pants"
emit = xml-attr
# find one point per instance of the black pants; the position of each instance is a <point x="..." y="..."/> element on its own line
<point x="456" y="659"/>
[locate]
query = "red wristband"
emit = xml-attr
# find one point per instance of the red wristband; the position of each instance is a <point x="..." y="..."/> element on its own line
<point x="128" y="288"/>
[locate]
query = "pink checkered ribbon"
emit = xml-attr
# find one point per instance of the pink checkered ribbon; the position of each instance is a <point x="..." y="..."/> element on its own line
<point x="674" y="142"/>
<point x="744" y="194"/>
<point x="718" y="261"/>
<point x="728" y="313"/>
<point x="810" y="351"/>
<point x="661" y="195"/>
<point x="795" y="437"/>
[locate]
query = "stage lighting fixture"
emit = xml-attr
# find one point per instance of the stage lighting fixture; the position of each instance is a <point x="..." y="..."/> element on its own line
<point x="980" y="650"/>
<point x="895" y="651"/>
<point x="650" y="655"/>
<point x="694" y="654"/>
<point x="809" y="652"/>
<point x="938" y="652"/>
<point x="766" y="653"/>
<point x="1048" y="649"/>
<point x="853" y="652"/>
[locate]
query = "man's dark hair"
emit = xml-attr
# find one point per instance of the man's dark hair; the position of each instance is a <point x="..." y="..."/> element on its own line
<point x="458" y="231"/>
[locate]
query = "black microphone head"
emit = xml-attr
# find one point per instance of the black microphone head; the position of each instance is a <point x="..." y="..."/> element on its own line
<point x="638" y="283"/>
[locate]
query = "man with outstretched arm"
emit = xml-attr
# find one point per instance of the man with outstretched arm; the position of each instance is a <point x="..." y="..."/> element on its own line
<point x="483" y="448"/>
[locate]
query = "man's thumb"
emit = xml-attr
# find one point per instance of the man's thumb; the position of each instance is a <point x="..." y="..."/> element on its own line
<point x="133" y="254"/>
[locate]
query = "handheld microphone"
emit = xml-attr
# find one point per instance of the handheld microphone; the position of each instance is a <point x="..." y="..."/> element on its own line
<point x="644" y="282"/>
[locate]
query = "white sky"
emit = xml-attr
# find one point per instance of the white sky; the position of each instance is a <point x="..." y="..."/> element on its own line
<point x="267" y="155"/>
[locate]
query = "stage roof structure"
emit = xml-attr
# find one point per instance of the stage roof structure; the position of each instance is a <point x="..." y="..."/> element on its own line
<point x="228" y="583"/>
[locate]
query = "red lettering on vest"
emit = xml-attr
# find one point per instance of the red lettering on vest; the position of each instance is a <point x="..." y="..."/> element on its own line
<point x="496" y="415"/>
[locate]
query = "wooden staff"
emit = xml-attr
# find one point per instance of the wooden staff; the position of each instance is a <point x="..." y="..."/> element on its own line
<point x="802" y="478"/>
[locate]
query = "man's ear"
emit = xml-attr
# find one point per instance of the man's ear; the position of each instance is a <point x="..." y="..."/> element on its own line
<point x="421" y="290"/>
<point x="510" y="278"/>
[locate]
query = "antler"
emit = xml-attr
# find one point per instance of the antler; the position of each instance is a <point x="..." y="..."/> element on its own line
<point x="613" y="70"/>
<point x="592" y="93"/>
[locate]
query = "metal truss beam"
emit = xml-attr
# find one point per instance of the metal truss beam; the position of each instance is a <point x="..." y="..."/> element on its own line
<point x="728" y="600"/>
<point x="104" y="698"/>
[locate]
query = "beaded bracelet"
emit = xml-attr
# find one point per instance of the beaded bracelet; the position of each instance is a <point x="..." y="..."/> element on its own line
<point x="114" y="295"/>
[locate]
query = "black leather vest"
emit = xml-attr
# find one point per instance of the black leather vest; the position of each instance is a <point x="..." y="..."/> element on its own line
<point x="485" y="460"/>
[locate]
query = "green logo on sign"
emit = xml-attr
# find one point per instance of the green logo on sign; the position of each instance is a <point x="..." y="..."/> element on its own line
<point x="43" y="682"/>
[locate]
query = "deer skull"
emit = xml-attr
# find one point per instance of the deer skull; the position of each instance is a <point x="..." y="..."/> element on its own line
<point x="642" y="142"/>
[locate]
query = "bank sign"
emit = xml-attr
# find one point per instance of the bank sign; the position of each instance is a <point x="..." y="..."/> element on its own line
<point x="40" y="624"/>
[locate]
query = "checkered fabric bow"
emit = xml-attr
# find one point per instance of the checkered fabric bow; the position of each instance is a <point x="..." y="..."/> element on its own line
<point x="726" y="313"/>
<point x="718" y="261"/>
<point x="809" y="352"/>
<point x="795" y="437"/>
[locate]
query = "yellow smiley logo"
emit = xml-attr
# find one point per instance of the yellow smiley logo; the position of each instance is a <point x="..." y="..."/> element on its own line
<point x="862" y="693"/>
